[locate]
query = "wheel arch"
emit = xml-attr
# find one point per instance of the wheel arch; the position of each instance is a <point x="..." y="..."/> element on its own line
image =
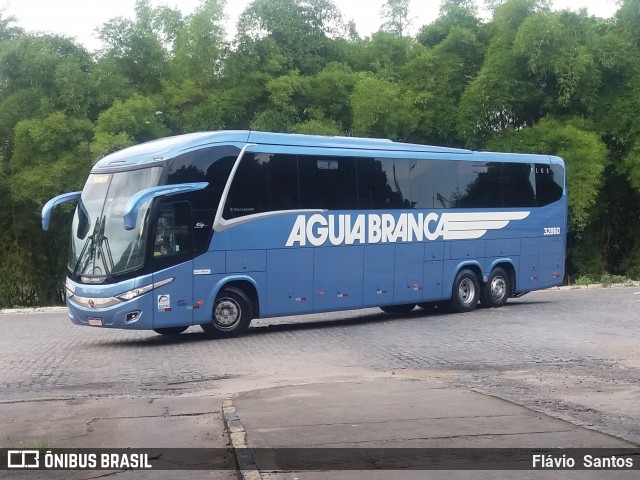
<point x="242" y="282"/>
<point x="473" y="266"/>
<point x="507" y="266"/>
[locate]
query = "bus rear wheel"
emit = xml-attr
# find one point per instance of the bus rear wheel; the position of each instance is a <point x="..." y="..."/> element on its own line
<point x="496" y="291"/>
<point x="466" y="292"/>
<point x="398" y="308"/>
<point x="232" y="313"/>
<point x="170" y="330"/>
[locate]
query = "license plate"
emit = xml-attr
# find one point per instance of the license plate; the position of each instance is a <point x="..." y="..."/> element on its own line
<point x="96" y="322"/>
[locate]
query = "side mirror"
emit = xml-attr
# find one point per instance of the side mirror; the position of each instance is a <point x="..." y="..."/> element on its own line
<point x="137" y="200"/>
<point x="48" y="207"/>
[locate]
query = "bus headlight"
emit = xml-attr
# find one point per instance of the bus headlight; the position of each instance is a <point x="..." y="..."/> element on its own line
<point x="70" y="288"/>
<point x="136" y="292"/>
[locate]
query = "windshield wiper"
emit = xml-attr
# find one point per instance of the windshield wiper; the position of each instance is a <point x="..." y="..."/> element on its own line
<point x="94" y="241"/>
<point x="104" y="241"/>
<point x="90" y="240"/>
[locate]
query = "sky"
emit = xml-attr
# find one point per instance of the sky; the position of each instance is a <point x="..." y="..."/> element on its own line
<point x="80" y="18"/>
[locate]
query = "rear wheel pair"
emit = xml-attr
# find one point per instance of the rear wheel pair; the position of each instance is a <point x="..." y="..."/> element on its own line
<point x="467" y="291"/>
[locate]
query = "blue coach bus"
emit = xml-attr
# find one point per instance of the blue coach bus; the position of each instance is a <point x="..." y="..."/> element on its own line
<point x="217" y="228"/>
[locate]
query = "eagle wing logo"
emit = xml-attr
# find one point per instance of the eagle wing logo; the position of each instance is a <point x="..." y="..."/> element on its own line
<point x="469" y="226"/>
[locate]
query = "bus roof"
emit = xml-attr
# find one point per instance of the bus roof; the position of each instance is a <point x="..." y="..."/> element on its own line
<point x="169" y="147"/>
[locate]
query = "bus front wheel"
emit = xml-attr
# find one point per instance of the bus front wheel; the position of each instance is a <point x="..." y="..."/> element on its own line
<point x="496" y="291"/>
<point x="466" y="292"/>
<point x="231" y="315"/>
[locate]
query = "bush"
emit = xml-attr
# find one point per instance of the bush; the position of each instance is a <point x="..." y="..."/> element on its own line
<point x="584" y="280"/>
<point x="608" y="279"/>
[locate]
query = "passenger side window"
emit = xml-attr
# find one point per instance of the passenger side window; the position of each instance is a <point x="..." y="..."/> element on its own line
<point x="384" y="183"/>
<point x="518" y="185"/>
<point x="264" y="182"/>
<point x="549" y="183"/>
<point x="480" y="185"/>
<point x="327" y="183"/>
<point x="434" y="184"/>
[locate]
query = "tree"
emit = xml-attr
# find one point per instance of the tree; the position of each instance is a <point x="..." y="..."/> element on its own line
<point x="140" y="49"/>
<point x="8" y="31"/>
<point x="396" y="16"/>
<point x="300" y="29"/>
<point x="50" y="156"/>
<point x="200" y="45"/>
<point x="439" y="78"/>
<point x="503" y="95"/>
<point x="453" y="14"/>
<point x="584" y="153"/>
<point x="382" y="109"/>
<point x="135" y="120"/>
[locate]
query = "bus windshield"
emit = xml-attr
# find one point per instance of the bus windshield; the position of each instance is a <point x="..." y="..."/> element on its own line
<point x="100" y="245"/>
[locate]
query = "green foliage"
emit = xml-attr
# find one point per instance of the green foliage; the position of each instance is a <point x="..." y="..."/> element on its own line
<point x="559" y="54"/>
<point x="585" y="156"/>
<point x="317" y="127"/>
<point x="299" y="28"/>
<point x="200" y="44"/>
<point x="396" y="16"/>
<point x="440" y="75"/>
<point x="584" y="280"/>
<point x="382" y="109"/>
<point x="189" y="108"/>
<point x="47" y="153"/>
<point x="453" y="14"/>
<point x="8" y="29"/>
<point x="283" y="90"/>
<point x="136" y="120"/>
<point x="607" y="280"/>
<point x="139" y="49"/>
<point x="329" y="94"/>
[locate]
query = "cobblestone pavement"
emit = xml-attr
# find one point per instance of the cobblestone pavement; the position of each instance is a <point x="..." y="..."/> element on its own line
<point x="572" y="353"/>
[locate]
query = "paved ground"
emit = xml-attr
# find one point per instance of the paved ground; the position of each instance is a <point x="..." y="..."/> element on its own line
<point x="573" y="354"/>
<point x="374" y="424"/>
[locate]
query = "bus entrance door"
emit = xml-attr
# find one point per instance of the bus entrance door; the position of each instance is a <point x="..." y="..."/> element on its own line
<point x="173" y="264"/>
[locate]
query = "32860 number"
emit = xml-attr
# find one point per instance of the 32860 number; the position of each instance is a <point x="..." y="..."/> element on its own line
<point x="552" y="230"/>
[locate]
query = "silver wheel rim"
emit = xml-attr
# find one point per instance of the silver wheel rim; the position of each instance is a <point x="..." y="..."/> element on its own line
<point x="226" y="314"/>
<point x="466" y="291"/>
<point x="498" y="288"/>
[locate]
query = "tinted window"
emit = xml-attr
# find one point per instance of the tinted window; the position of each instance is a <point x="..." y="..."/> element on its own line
<point x="549" y="183"/>
<point x="211" y="165"/>
<point x="264" y="182"/>
<point x="518" y="185"/>
<point x="384" y="183"/>
<point x="434" y="184"/>
<point x="172" y="235"/>
<point x="327" y="182"/>
<point x="479" y="185"/>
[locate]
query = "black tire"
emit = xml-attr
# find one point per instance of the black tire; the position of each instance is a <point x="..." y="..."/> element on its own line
<point x="231" y="315"/>
<point x="497" y="290"/>
<point x="170" y="330"/>
<point x="398" y="308"/>
<point x="466" y="292"/>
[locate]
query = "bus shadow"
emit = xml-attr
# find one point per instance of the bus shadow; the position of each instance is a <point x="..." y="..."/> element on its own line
<point x="292" y="324"/>
<point x="195" y="335"/>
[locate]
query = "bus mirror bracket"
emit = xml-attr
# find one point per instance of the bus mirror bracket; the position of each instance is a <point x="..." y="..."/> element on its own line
<point x="49" y="206"/>
<point x="137" y="200"/>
